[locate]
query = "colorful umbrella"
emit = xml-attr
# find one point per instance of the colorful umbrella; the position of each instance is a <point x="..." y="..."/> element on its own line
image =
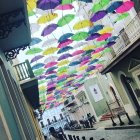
<point x="35" y="41"/>
<point x="47" y="18"/>
<point x="82" y="24"/>
<point x="93" y="61"/>
<point x="33" y="51"/>
<point x="62" y="63"/>
<point x="67" y="1"/>
<point x="37" y="66"/>
<point x="62" y="68"/>
<point x="65" y="43"/>
<point x="114" y="6"/>
<point x="50" y="64"/>
<point x="51" y="77"/>
<point x="49" y="29"/>
<point x="39" y="72"/>
<point x="90" y="47"/>
<point x="50" y="51"/>
<point x="62" y="50"/>
<point x="109" y="44"/>
<point x="122" y="16"/>
<point x="41" y="77"/>
<point x="62" y="77"/>
<point x="50" y="59"/>
<point x="65" y="20"/>
<point x="34" y="59"/>
<point x="77" y="52"/>
<point x="126" y="6"/>
<point x="87" y="1"/>
<point x="80" y="36"/>
<point x="50" y="72"/>
<point x="84" y="62"/>
<point x="92" y="36"/>
<point x="74" y="63"/>
<point x="104" y="37"/>
<point x="51" y="69"/>
<point x="64" y="56"/>
<point x="90" y="68"/>
<point x="95" y="29"/>
<point x="64" y="7"/>
<point x="106" y="30"/>
<point x="98" y="50"/>
<point x="65" y="36"/>
<point x="98" y="15"/>
<point x="41" y="82"/>
<point x="113" y="38"/>
<point x="87" y="53"/>
<point x="31" y="5"/>
<point x="47" y="4"/>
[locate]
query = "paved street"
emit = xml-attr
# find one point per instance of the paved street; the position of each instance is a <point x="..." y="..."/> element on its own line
<point x="129" y="134"/>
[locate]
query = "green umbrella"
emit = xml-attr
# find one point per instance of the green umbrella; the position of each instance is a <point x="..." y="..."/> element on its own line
<point x="33" y="51"/>
<point x="41" y="82"/>
<point x="72" y="72"/>
<point x="65" y="20"/>
<point x="99" y="44"/>
<point x="80" y="36"/>
<point x="62" y="68"/>
<point x="101" y="62"/>
<point x="67" y="1"/>
<point x="61" y="84"/>
<point x="122" y="16"/>
<point x="106" y="50"/>
<point x="39" y="72"/>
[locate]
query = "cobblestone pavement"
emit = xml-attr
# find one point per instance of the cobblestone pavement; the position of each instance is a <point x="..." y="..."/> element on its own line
<point x="127" y="134"/>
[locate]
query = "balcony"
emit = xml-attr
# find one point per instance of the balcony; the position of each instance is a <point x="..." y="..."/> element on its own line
<point x="28" y="83"/>
<point x="128" y="40"/>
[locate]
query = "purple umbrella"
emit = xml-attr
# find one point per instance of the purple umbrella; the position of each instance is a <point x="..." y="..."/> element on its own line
<point x="47" y="4"/>
<point x="51" y="89"/>
<point x="85" y="58"/>
<point x="36" y="58"/>
<point x="49" y="29"/>
<point x="98" y="15"/>
<point x="91" y="67"/>
<point x="93" y="36"/>
<point x="50" y="83"/>
<point x="41" y="77"/>
<point x="64" y="56"/>
<point x="109" y="44"/>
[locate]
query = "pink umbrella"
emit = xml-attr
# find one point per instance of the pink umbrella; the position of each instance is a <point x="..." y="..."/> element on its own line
<point x="64" y="7"/>
<point x="104" y="36"/>
<point x="98" y="50"/>
<point x="79" y="76"/>
<point x="65" y="43"/>
<point x="77" y="52"/>
<point x="99" y="66"/>
<point x="62" y="77"/>
<point x="50" y="64"/>
<point x="51" y="72"/>
<point x="84" y="62"/>
<point x="51" y="86"/>
<point x="125" y="7"/>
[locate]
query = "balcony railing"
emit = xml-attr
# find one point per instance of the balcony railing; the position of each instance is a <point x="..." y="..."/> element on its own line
<point x="24" y="71"/>
<point x="126" y="38"/>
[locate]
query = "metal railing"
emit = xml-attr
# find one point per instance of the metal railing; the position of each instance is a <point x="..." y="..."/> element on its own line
<point x="126" y="38"/>
<point x="24" y="71"/>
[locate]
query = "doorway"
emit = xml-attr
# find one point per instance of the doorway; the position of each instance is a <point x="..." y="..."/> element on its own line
<point x="126" y="83"/>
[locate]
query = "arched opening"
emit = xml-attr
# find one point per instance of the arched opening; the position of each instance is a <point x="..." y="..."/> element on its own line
<point x="126" y="83"/>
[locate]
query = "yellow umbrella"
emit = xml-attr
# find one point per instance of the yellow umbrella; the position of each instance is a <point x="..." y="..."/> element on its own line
<point x="62" y="73"/>
<point x="64" y="62"/>
<point x="47" y="18"/>
<point x="50" y="50"/>
<point x="42" y="87"/>
<point x="70" y="78"/>
<point x="31" y="4"/>
<point x="84" y="67"/>
<point x="86" y="48"/>
<point x="97" y="55"/>
<point x="82" y="24"/>
<point x="106" y="30"/>
<point x="92" y="72"/>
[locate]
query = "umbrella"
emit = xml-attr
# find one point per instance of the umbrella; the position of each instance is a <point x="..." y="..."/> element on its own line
<point x="106" y="50"/>
<point x="41" y="77"/>
<point x="47" y="4"/>
<point x="84" y="62"/>
<point x="67" y="1"/>
<point x="31" y="5"/>
<point x="93" y="61"/>
<point x="87" y="1"/>
<point x="87" y="53"/>
<point x="62" y="50"/>
<point x="41" y="82"/>
<point x="98" y="15"/>
<point x="98" y="50"/>
<point x="65" y="43"/>
<point x="34" y="27"/>
<point x="77" y="52"/>
<point x="49" y="42"/>
<point x="62" y="68"/>
<point x="113" y="38"/>
<point x="33" y="51"/>
<point x="65" y="20"/>
<point x="50" y="64"/>
<point x="47" y="18"/>
<point x="35" y="40"/>
<point x="37" y="66"/>
<point x="95" y="29"/>
<point x="98" y="44"/>
<point x="64" y="56"/>
<point x="50" y="72"/>
<point x="82" y="24"/>
<point x="90" y="68"/>
<point x="34" y="59"/>
<point x="85" y="58"/>
<point x="64" y="7"/>
<point x="50" y="51"/>
<point x="126" y="6"/>
<point x="91" y="47"/>
<point x="51" y="77"/>
<point x="65" y="36"/>
<point x="109" y="44"/>
<point x="79" y="44"/>
<point x="39" y="72"/>
<point x="49" y="29"/>
<point x="63" y="62"/>
<point x="114" y="6"/>
<point x="104" y="37"/>
<point x="106" y="30"/>
<point x="74" y="63"/>
<point x="51" y="69"/>
<point x="81" y="68"/>
<point x="92" y="36"/>
<point x="50" y="59"/>
<point x="80" y="36"/>
<point x="122" y="16"/>
<point x="62" y="77"/>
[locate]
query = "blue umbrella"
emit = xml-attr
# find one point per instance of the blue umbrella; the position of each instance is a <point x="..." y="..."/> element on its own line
<point x="51" y="77"/>
<point x="37" y="66"/>
<point x="113" y="38"/>
<point x="87" y="52"/>
<point x="93" y="61"/>
<point x="51" y="69"/>
<point x="35" y="40"/>
<point x="95" y="29"/>
<point x="65" y="36"/>
<point x="114" y="6"/>
<point x="62" y="50"/>
<point x="62" y="80"/>
<point x="90" y="68"/>
<point x="87" y="1"/>
<point x="74" y="63"/>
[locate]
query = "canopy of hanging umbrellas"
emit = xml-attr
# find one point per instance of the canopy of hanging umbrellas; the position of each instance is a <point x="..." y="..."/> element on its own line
<point x="69" y="38"/>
